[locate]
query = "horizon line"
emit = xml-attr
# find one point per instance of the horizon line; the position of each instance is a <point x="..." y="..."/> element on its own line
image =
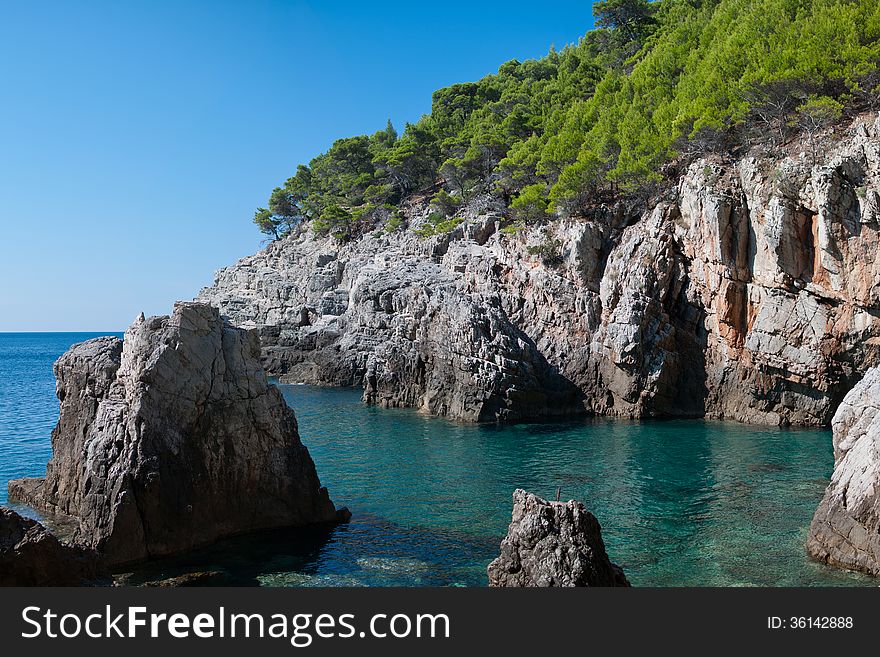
<point x="65" y="331"/>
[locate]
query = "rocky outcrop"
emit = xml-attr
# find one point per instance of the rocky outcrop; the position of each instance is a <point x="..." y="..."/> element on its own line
<point x="395" y="321"/>
<point x="749" y="292"/>
<point x="173" y="439"/>
<point x="553" y="544"/>
<point x="31" y="556"/>
<point x="845" y="531"/>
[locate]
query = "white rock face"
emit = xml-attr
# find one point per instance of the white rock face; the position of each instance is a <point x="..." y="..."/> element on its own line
<point x="395" y="315"/>
<point x="846" y="528"/>
<point x="750" y="293"/>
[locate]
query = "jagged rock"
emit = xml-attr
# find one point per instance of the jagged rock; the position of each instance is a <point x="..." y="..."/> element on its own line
<point x="173" y="439"/>
<point x="553" y="544"/>
<point x="751" y="292"/>
<point x="399" y="324"/>
<point x="31" y="556"/>
<point x="845" y="530"/>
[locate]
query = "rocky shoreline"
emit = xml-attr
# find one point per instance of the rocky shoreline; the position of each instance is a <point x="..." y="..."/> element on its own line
<point x="748" y="292"/>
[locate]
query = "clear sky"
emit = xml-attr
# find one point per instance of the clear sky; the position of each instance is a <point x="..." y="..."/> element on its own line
<point x="136" y="138"/>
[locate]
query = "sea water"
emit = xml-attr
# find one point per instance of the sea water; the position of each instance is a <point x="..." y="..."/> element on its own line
<point x="681" y="503"/>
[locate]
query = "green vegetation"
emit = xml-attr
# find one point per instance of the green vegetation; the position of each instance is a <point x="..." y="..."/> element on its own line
<point x="437" y="224"/>
<point x="655" y="82"/>
<point x="394" y="223"/>
<point x="531" y="204"/>
<point x="513" y="228"/>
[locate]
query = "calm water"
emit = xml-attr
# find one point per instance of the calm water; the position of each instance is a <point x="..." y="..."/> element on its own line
<point x="681" y="503"/>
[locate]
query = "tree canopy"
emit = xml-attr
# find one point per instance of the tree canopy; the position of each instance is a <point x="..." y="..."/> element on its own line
<point x="653" y="82"/>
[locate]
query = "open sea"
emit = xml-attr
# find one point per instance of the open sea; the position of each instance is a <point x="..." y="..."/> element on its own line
<point x="681" y="503"/>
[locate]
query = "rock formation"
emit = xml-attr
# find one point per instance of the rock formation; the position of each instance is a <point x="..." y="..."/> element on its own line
<point x="396" y="323"/>
<point x="749" y="292"/>
<point x="845" y="531"/>
<point x="31" y="556"/>
<point x="173" y="439"/>
<point x="553" y="544"/>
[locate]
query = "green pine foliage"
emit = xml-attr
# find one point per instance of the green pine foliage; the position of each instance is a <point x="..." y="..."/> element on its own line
<point x="654" y="82"/>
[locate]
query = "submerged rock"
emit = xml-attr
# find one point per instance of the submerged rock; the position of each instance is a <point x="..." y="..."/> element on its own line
<point x="845" y="531"/>
<point x="553" y="544"/>
<point x="173" y="439"/>
<point x="201" y="578"/>
<point x="31" y="556"/>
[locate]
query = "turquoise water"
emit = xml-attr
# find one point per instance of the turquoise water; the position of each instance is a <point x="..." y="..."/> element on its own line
<point x="682" y="503"/>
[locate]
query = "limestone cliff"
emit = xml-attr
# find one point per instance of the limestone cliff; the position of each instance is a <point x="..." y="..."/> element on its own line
<point x="749" y="291"/>
<point x="171" y="440"/>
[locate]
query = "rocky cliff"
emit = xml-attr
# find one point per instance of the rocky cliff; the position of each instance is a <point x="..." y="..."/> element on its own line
<point x="173" y="439"/>
<point x="553" y="544"/>
<point x="845" y="530"/>
<point x="749" y="292"/>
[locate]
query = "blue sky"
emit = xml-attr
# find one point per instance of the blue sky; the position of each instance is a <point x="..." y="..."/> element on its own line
<point x="136" y="138"/>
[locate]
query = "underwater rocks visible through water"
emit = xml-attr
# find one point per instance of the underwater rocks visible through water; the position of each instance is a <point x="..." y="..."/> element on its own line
<point x="370" y="551"/>
<point x="173" y="439"/>
<point x="553" y="544"/>
<point x="846" y="528"/>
